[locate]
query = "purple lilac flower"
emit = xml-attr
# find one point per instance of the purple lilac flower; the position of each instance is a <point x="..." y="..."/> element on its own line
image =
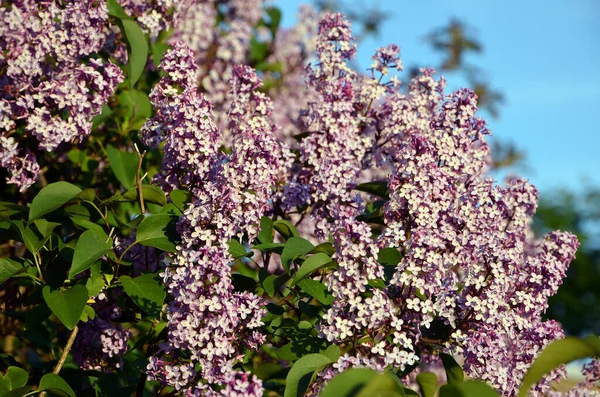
<point x="472" y="280"/>
<point x="48" y="86"/>
<point x="207" y="319"/>
<point x="101" y="342"/>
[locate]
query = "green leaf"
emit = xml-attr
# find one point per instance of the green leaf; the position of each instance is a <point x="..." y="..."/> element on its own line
<point x="299" y="377"/>
<point x="270" y="247"/>
<point x="56" y="385"/>
<point x="272" y="283"/>
<point x="389" y="257"/>
<point x="180" y="198"/>
<point x="311" y="264"/>
<point x="285" y="228"/>
<point x="158" y="51"/>
<point x="294" y="247"/>
<point x="123" y="164"/>
<point x="326" y="248"/>
<point x="258" y="50"/>
<point x="275" y="16"/>
<point x="559" y="352"/>
<point x="427" y="382"/>
<point x="236" y="249"/>
<point x="15" y="378"/>
<point x="332" y="351"/>
<point x="115" y="10"/>
<point x="67" y="304"/>
<point x="377" y="188"/>
<point x="52" y="197"/>
<point x="29" y="236"/>
<point x="146" y="291"/>
<point x="136" y="105"/>
<point x="362" y="382"/>
<point x="90" y="247"/>
<point x="266" y="230"/>
<point x="317" y="290"/>
<point x="470" y="388"/>
<point x="137" y="46"/>
<point x="454" y="373"/>
<point x="88" y="313"/>
<point x="152" y="194"/>
<point x="158" y="231"/>
<point x="95" y="283"/>
<point x="8" y="268"/>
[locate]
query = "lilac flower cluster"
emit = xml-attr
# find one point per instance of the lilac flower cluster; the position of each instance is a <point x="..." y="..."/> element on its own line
<point x="207" y="319"/>
<point x="219" y="46"/>
<point x="49" y="88"/>
<point x="101" y="342"/>
<point x="471" y="279"/>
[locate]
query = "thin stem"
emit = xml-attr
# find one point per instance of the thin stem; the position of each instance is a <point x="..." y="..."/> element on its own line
<point x="121" y="258"/>
<point x="64" y="355"/>
<point x="37" y="259"/>
<point x="139" y="179"/>
<point x="103" y="216"/>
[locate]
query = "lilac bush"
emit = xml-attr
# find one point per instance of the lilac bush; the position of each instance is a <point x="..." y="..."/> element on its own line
<point x="222" y="207"/>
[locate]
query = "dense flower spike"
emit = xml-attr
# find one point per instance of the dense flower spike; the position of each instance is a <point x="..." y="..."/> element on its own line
<point x="183" y="121"/>
<point x="207" y="318"/>
<point x="48" y="86"/>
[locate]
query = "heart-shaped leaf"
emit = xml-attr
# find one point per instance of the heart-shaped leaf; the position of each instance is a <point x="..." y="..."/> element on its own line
<point x="52" y="197"/>
<point x="146" y="291"/>
<point x="90" y="247"/>
<point x="67" y="303"/>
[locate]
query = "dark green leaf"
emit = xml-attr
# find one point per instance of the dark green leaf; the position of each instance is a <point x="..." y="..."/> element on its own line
<point x="123" y="164"/>
<point x="272" y="284"/>
<point x="158" y="51"/>
<point x="326" y="248"/>
<point x="362" y="382"/>
<point x="454" y="373"/>
<point x="285" y="228"/>
<point x="8" y="268"/>
<point x="180" y="198"/>
<point x="115" y="10"/>
<point x="389" y="257"/>
<point x="470" y="388"/>
<point x="90" y="247"/>
<point x="146" y="291"/>
<point x="56" y="385"/>
<point x="317" y="290"/>
<point x="15" y="378"/>
<point x="311" y="264"/>
<point x="101" y="118"/>
<point x="427" y="382"/>
<point x="29" y="235"/>
<point x="266" y="230"/>
<point x="294" y="247"/>
<point x="138" y="49"/>
<point x="270" y="247"/>
<point x="158" y="231"/>
<point x="378" y="188"/>
<point x="52" y="197"/>
<point x="236" y="249"/>
<point x="67" y="303"/>
<point x="299" y="377"/>
<point x="559" y="352"/>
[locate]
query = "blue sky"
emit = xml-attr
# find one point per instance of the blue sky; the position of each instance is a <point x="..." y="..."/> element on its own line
<point x="544" y="56"/>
